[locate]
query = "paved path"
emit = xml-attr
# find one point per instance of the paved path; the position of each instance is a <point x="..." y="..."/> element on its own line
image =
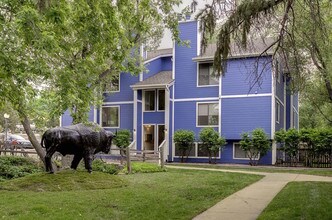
<point x="248" y="203"/>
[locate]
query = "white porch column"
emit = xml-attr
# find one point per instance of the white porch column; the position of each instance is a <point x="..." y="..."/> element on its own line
<point x="135" y="119"/>
<point x="167" y="97"/>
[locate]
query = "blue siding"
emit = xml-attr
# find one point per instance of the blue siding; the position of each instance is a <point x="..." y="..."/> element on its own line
<point x="154" y="117"/>
<point x="66" y="119"/>
<point x="239" y="77"/>
<point x="166" y="64"/>
<point x="126" y="93"/>
<point x="240" y="115"/>
<point x="186" y="68"/>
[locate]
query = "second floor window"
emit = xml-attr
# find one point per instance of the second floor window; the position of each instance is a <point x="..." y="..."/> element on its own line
<point x="149" y="100"/>
<point x="110" y="117"/>
<point x="206" y="75"/>
<point x="208" y="114"/>
<point x="277" y="111"/>
<point x="113" y="85"/>
<point x="161" y="100"/>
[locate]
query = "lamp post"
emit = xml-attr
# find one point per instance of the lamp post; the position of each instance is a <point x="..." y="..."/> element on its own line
<point x="6" y="116"/>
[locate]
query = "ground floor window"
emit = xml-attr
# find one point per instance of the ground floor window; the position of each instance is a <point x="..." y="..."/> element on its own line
<point x="110" y="116"/>
<point x="238" y="153"/>
<point x="197" y="150"/>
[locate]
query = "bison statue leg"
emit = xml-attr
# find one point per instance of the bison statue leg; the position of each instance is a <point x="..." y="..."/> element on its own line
<point x="76" y="161"/>
<point x="88" y="158"/>
<point x="48" y="161"/>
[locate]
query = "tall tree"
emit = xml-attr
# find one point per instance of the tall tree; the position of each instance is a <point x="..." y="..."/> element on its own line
<point x="70" y="47"/>
<point x="301" y="30"/>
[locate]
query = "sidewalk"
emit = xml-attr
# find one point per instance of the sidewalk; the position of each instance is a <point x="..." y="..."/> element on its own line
<point x="249" y="202"/>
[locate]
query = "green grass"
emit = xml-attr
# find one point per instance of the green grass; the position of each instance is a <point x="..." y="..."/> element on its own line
<point x="176" y="194"/>
<point x="301" y="200"/>
<point x="308" y="171"/>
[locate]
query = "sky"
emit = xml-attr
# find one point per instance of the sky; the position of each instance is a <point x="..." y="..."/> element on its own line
<point x="166" y="41"/>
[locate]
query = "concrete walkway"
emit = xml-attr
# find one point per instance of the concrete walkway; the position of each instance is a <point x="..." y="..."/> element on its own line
<point x="248" y="203"/>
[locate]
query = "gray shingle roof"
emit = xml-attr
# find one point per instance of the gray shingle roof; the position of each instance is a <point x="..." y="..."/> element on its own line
<point x="254" y="48"/>
<point x="160" y="52"/>
<point x="160" y="79"/>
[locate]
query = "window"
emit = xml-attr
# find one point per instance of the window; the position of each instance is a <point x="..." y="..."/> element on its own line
<point x="238" y="153"/>
<point x="206" y="75"/>
<point x="113" y="86"/>
<point x="110" y="117"/>
<point x="161" y="100"/>
<point x="202" y="150"/>
<point x="277" y="111"/>
<point x="208" y="114"/>
<point x="278" y="73"/>
<point x="149" y="100"/>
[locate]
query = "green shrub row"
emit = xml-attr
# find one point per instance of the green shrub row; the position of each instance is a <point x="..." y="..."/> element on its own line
<point x="318" y="141"/>
<point x="209" y="138"/>
<point x="14" y="167"/>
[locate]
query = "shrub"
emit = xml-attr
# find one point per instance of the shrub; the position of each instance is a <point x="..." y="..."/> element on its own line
<point x="184" y="140"/>
<point x="122" y="140"/>
<point x="289" y="141"/>
<point x="14" y="167"/>
<point x="256" y="145"/>
<point x="101" y="166"/>
<point x="212" y="142"/>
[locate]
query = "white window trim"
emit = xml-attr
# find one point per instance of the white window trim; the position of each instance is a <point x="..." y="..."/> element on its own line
<point x="158" y="100"/>
<point x="154" y="100"/>
<point x="115" y="91"/>
<point x="238" y="158"/>
<point x="278" y="112"/>
<point x="101" y="115"/>
<point x="197" y="77"/>
<point x="204" y="126"/>
<point x="196" y="152"/>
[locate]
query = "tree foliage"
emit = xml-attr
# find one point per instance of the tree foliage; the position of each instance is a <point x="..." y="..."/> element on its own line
<point x="184" y="140"/>
<point x="70" y="48"/>
<point x="302" y="36"/>
<point x="256" y="145"/>
<point x="213" y="142"/>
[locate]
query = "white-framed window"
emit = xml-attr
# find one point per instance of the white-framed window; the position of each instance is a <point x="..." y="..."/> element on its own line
<point x="238" y="153"/>
<point x="149" y="100"/>
<point x="197" y="150"/>
<point x="110" y="116"/>
<point x="206" y="76"/>
<point x="207" y="114"/>
<point x="277" y="111"/>
<point x="161" y="99"/>
<point x="113" y="85"/>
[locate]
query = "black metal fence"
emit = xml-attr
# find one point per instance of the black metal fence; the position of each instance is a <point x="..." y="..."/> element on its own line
<point x="305" y="157"/>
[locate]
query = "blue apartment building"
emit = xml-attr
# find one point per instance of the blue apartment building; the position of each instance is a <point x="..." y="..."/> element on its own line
<point x="179" y="91"/>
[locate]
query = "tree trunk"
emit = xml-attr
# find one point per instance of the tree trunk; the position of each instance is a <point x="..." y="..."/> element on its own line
<point x="32" y="138"/>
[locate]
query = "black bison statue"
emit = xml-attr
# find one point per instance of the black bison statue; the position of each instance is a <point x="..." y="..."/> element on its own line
<point x="80" y="140"/>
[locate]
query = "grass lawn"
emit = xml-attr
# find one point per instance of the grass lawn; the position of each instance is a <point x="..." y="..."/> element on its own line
<point x="301" y="200"/>
<point x="176" y="194"/>
<point x="308" y="171"/>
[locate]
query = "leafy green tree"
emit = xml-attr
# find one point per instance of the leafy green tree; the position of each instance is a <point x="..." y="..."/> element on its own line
<point x="122" y="141"/>
<point x="184" y="140"/>
<point x="213" y="142"/>
<point x="71" y="48"/>
<point x="289" y="141"/>
<point x="256" y="145"/>
<point x="301" y="39"/>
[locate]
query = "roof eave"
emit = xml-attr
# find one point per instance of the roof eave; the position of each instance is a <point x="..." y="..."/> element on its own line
<point x="152" y="86"/>
<point x="236" y="56"/>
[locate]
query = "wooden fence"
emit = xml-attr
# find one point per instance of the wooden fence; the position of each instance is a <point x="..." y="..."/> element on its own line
<point x="128" y="154"/>
<point x="305" y="158"/>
